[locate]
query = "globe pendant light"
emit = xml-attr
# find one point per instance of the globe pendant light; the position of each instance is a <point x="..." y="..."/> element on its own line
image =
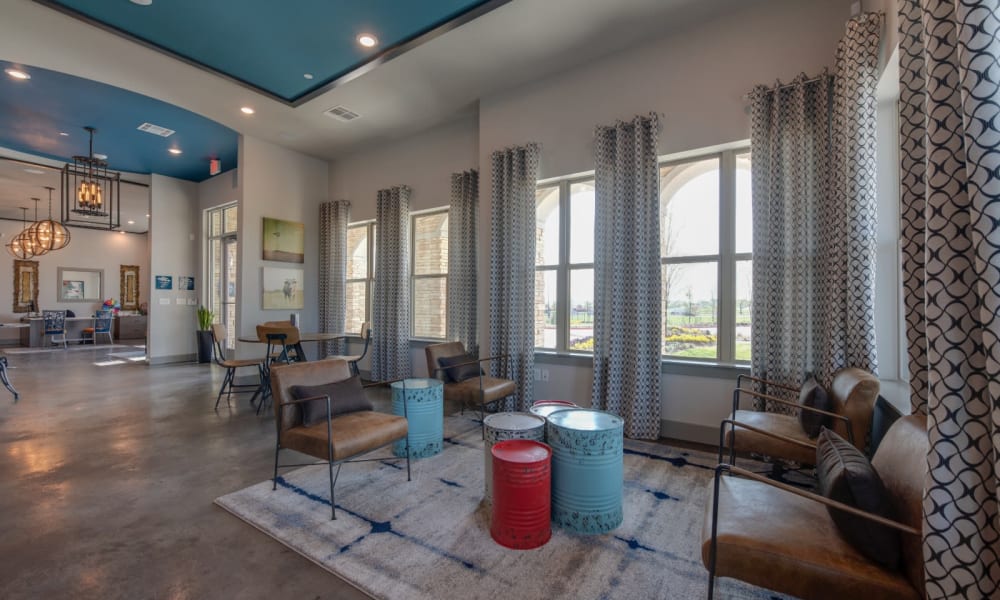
<point x="15" y="246"/>
<point x="49" y="235"/>
<point x="27" y="235"/>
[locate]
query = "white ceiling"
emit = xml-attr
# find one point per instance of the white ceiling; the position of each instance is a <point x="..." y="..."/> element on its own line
<point x="519" y="42"/>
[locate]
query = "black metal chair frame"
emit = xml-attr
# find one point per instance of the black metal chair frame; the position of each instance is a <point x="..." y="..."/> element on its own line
<point x="733" y="470"/>
<point x="364" y="352"/>
<point x="271" y="356"/>
<point x="5" y="378"/>
<point x="329" y="447"/>
<point x="229" y="387"/>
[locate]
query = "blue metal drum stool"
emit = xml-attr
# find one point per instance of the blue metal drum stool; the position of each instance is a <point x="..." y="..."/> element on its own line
<point x="587" y="469"/>
<point x="424" y="411"/>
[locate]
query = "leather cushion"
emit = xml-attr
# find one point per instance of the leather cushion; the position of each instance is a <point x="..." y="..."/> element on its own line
<point x="461" y="373"/>
<point x="845" y="475"/>
<point x="785" y="425"/>
<point x="814" y="395"/>
<point x="777" y="540"/>
<point x="468" y="391"/>
<point x="353" y="434"/>
<point x="346" y="396"/>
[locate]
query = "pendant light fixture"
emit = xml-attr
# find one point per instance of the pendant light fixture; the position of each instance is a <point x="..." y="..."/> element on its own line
<point x="28" y="239"/>
<point x="16" y="246"/>
<point x="49" y="235"/>
<point x="90" y="192"/>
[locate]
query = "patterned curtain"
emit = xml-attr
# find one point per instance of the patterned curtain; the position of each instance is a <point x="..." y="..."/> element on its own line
<point x="813" y="146"/>
<point x="391" y="296"/>
<point x="463" y="224"/>
<point x="512" y="270"/>
<point x="333" y="220"/>
<point x="950" y="203"/>
<point x="627" y="294"/>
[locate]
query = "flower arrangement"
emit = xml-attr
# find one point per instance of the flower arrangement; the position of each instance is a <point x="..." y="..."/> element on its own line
<point x="112" y="305"/>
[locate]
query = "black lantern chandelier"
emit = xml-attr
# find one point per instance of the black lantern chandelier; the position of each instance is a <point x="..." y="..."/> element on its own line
<point x="90" y="192"/>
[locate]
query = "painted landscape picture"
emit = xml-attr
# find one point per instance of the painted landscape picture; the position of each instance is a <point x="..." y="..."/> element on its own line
<point x="282" y="288"/>
<point x="284" y="241"/>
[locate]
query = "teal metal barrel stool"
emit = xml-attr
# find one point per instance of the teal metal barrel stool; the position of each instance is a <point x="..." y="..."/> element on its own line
<point x="424" y="411"/>
<point x="587" y="469"/>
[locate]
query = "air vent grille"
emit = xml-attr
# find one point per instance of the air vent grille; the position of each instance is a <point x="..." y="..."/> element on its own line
<point x="156" y="130"/>
<point x="342" y="113"/>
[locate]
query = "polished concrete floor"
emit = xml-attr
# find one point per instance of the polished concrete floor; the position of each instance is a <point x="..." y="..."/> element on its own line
<point x="107" y="477"/>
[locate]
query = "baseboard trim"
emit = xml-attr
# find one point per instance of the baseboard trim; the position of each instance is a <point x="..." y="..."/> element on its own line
<point x="689" y="432"/>
<point x="172" y="359"/>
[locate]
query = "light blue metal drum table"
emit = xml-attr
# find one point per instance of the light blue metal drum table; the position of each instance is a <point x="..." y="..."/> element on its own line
<point x="587" y="469"/>
<point x="424" y="404"/>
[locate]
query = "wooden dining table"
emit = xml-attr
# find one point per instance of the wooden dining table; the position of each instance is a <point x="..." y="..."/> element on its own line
<point x="303" y="337"/>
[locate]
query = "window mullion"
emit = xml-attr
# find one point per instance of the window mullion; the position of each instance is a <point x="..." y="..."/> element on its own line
<point x="727" y="266"/>
<point x="562" y="285"/>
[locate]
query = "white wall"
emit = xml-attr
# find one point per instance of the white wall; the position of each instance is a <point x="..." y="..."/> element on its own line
<point x="174" y="250"/>
<point x="284" y="184"/>
<point x="89" y="249"/>
<point x="424" y="162"/>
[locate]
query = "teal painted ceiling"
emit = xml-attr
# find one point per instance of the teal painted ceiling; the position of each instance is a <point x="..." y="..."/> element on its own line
<point x="270" y="45"/>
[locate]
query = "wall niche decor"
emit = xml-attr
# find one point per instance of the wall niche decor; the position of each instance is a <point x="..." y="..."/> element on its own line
<point x="129" y="282"/>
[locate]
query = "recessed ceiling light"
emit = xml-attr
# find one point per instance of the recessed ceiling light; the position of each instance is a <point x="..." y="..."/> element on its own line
<point x="17" y="74"/>
<point x="142" y="2"/>
<point x="367" y="40"/>
<point x="247" y="110"/>
<point x="131" y="222"/>
<point x="35" y="171"/>
<point x="307" y="75"/>
<point x="174" y="151"/>
<point x="64" y="134"/>
<point x="101" y="156"/>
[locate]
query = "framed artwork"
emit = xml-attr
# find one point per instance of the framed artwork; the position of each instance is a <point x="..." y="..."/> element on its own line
<point x="25" y="286"/>
<point x="164" y="282"/>
<point x="282" y="288"/>
<point x="185" y="283"/>
<point x="128" y="282"/>
<point x="72" y="289"/>
<point x="284" y="241"/>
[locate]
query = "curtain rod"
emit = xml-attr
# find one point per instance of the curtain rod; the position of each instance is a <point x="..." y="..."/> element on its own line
<point x="788" y="85"/>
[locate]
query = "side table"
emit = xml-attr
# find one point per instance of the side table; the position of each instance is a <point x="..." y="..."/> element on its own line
<point x="421" y="401"/>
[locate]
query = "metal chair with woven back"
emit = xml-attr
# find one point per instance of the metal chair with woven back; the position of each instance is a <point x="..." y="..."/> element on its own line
<point x="102" y="326"/>
<point x="55" y="326"/>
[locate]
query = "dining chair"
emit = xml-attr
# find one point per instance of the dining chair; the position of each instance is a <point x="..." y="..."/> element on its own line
<point x="282" y="347"/>
<point x="229" y="387"/>
<point x="55" y="326"/>
<point x="102" y="326"/>
<point x="354" y="359"/>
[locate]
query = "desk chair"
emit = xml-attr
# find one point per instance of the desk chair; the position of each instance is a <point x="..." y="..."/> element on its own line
<point x="102" y="326"/>
<point x="55" y="326"/>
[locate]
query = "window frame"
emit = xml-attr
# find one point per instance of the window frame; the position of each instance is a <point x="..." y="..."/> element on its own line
<point x="414" y="277"/>
<point x="223" y="238"/>
<point x="369" y="280"/>
<point x="725" y="261"/>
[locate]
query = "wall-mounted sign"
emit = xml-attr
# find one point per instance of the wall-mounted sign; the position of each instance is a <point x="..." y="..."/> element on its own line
<point x="185" y="283"/>
<point x="164" y="282"/>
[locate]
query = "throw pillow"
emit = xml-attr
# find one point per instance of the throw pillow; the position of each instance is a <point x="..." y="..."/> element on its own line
<point x="813" y="395"/>
<point x="346" y="396"/>
<point x="463" y="372"/>
<point x="846" y="475"/>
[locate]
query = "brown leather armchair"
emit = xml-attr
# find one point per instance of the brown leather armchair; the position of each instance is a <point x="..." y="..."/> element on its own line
<point x="780" y="436"/>
<point x="477" y="391"/>
<point x="782" y="538"/>
<point x="338" y="439"/>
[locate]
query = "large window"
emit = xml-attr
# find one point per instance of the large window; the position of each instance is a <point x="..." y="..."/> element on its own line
<point x="360" y="274"/>
<point x="429" y="270"/>
<point x="222" y="267"/>
<point x="706" y="260"/>
<point x="564" y="266"/>
<point x="706" y="252"/>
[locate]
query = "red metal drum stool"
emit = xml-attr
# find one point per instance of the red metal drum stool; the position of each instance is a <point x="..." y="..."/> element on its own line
<point x="522" y="471"/>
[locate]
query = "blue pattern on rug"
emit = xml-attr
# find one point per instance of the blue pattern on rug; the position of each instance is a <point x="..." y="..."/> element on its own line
<point x="450" y="483"/>
<point x="678" y="461"/>
<point x="378" y="527"/>
<point x="662" y="495"/>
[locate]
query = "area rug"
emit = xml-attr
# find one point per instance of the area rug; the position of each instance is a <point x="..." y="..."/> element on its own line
<point x="429" y="538"/>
